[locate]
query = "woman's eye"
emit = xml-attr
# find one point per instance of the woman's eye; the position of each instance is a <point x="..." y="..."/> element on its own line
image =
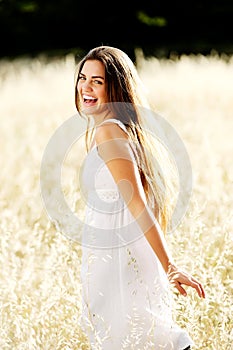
<point x="81" y="77"/>
<point x="97" y="82"/>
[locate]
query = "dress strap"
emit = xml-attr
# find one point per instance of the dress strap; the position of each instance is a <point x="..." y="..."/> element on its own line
<point x="116" y="121"/>
<point x="111" y="120"/>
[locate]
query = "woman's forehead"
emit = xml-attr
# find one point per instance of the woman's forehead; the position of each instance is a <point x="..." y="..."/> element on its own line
<point x="93" y="67"/>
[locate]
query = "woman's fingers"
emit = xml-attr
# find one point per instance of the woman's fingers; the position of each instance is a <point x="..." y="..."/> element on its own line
<point x="177" y="278"/>
<point x="180" y="288"/>
<point x="197" y="285"/>
<point x="201" y="291"/>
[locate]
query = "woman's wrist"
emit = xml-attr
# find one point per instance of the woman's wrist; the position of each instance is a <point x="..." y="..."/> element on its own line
<point x="171" y="267"/>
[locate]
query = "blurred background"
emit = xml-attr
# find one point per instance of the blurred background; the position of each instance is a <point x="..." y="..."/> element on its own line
<point x="183" y="51"/>
<point x="158" y="27"/>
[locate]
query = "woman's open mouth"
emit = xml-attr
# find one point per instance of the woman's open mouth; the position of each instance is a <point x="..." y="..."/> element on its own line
<point x="89" y="100"/>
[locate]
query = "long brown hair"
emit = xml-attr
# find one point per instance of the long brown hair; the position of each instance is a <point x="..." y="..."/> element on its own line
<point x="126" y="97"/>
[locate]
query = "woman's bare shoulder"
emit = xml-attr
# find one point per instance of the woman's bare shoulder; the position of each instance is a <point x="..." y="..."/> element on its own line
<point x="109" y="131"/>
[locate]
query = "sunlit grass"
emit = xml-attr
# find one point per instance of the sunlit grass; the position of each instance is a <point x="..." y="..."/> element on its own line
<point x="39" y="276"/>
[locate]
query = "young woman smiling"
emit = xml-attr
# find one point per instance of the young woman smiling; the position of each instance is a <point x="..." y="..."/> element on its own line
<point x="126" y="264"/>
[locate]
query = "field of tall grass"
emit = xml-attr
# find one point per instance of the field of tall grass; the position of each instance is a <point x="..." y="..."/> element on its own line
<point x="39" y="275"/>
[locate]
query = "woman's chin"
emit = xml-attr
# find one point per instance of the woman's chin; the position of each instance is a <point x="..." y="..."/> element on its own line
<point x="95" y="109"/>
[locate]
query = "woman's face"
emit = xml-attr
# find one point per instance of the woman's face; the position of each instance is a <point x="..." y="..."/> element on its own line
<point x="91" y="85"/>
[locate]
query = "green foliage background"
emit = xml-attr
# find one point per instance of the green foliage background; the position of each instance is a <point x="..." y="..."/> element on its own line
<point x="158" y="27"/>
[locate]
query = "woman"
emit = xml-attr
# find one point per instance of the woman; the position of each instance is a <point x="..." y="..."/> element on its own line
<point x="126" y="265"/>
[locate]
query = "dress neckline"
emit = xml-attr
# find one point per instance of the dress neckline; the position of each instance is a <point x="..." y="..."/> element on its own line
<point x="112" y="120"/>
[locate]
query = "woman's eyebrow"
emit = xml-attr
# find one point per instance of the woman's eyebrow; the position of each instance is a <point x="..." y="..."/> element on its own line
<point x="97" y="76"/>
<point x="93" y="76"/>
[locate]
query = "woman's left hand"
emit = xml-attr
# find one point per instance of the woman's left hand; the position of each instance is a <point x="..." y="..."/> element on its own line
<point x="177" y="278"/>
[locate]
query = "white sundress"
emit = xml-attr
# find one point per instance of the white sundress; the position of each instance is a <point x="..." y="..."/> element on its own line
<point x="125" y="292"/>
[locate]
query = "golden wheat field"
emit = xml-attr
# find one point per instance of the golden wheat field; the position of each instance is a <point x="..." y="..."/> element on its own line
<point x="39" y="275"/>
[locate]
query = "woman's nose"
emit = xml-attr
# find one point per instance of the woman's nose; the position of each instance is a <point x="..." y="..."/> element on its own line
<point x="86" y="85"/>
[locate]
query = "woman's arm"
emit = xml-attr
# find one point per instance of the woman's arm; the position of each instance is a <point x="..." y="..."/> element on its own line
<point x="114" y="149"/>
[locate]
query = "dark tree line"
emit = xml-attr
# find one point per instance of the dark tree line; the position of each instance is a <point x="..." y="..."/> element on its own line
<point x="157" y="26"/>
